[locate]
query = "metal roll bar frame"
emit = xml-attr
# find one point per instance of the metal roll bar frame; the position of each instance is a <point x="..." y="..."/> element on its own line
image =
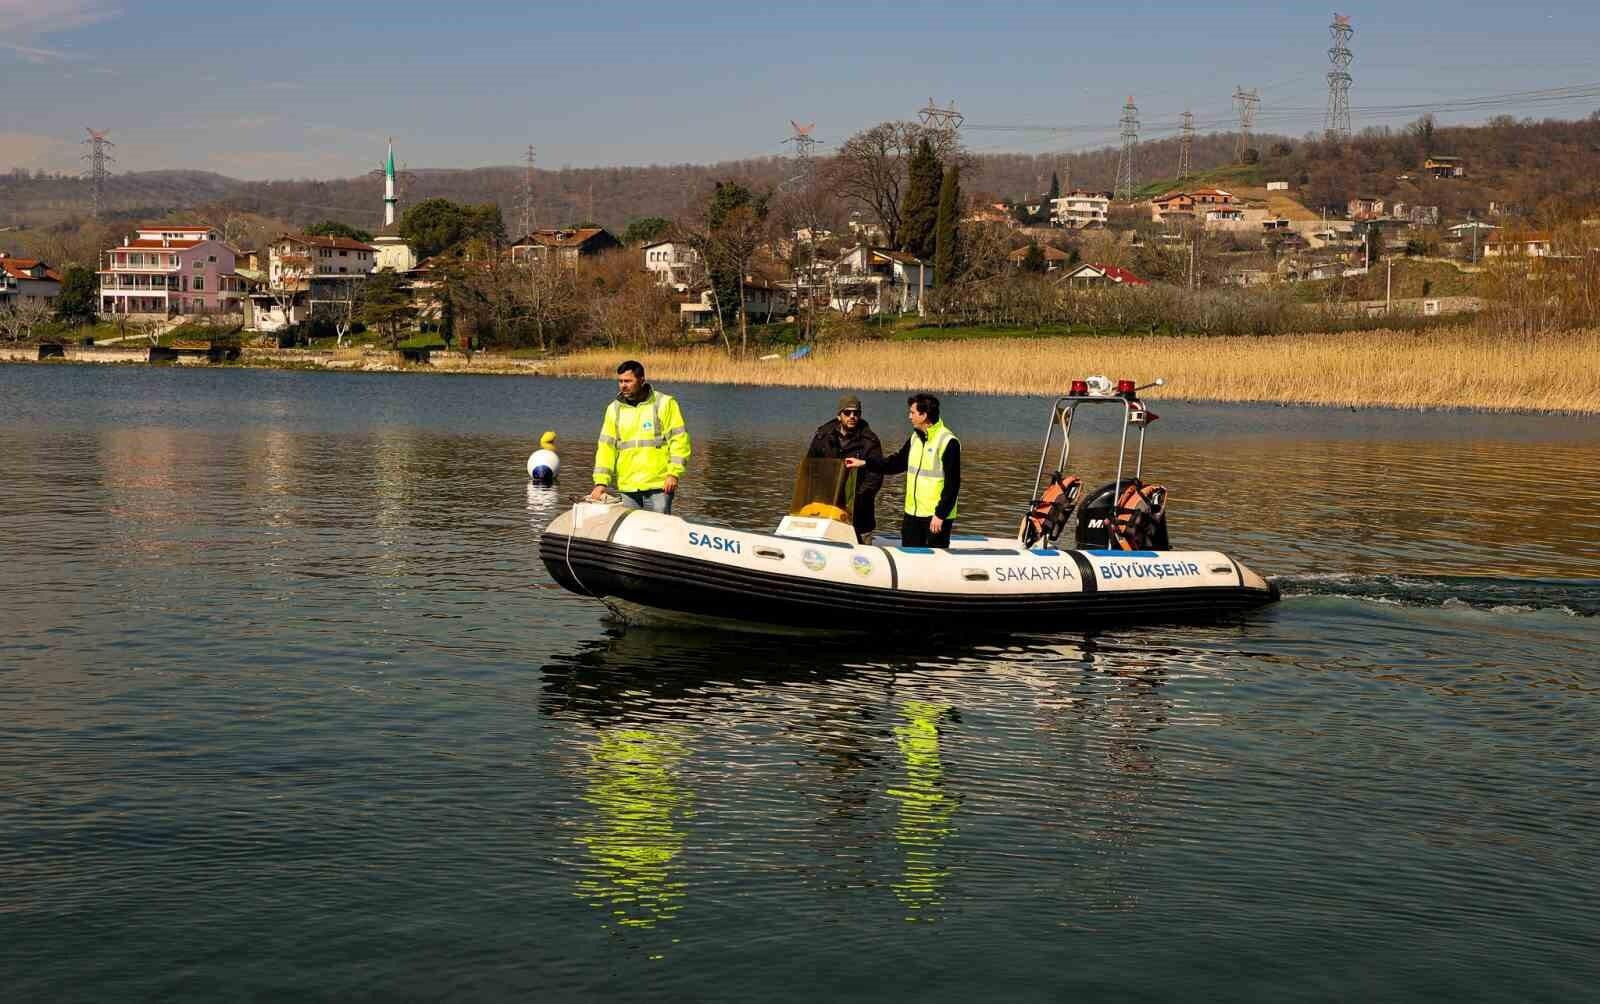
<point x="1061" y="415"/>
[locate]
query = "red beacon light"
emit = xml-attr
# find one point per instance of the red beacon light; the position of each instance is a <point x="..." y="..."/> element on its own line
<point x="1125" y="388"/>
<point x="1080" y="388"/>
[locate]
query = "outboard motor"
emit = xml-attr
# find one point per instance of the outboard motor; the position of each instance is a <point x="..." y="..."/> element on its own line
<point x="1128" y="515"/>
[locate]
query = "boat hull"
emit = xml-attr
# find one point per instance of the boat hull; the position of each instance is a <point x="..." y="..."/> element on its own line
<point x="699" y="572"/>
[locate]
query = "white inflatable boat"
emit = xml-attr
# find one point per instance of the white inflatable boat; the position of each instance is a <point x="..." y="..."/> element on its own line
<point x="812" y="572"/>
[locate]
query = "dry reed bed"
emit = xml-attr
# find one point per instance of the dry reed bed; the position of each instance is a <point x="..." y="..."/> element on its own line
<point x="1442" y="368"/>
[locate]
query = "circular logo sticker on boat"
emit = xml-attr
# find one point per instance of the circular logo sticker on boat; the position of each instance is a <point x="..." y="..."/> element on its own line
<point x="861" y="564"/>
<point x="813" y="559"/>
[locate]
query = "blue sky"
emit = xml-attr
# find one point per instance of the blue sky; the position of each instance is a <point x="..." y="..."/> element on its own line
<point x="292" y="88"/>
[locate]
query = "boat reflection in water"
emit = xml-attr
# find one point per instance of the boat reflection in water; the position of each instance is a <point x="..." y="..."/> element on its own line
<point x="925" y="810"/>
<point x="635" y="838"/>
<point x="887" y="782"/>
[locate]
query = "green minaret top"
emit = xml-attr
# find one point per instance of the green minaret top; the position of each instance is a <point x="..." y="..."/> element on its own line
<point x="389" y="169"/>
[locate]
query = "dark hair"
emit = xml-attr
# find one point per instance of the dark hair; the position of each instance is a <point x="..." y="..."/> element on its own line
<point x="927" y="404"/>
<point x="632" y="366"/>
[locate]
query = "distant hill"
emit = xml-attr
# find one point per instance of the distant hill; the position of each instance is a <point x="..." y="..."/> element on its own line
<point x="1534" y="166"/>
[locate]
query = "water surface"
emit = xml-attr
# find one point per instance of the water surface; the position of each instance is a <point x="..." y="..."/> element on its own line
<point x="290" y="709"/>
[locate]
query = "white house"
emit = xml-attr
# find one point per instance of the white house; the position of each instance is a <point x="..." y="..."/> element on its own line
<point x="674" y="264"/>
<point x="878" y="280"/>
<point x="1079" y="209"/>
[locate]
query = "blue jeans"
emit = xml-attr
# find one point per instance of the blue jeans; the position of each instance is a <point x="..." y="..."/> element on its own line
<point x="654" y="500"/>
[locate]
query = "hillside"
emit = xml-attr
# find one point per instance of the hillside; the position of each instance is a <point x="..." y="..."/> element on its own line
<point x="1534" y="167"/>
<point x="611" y="195"/>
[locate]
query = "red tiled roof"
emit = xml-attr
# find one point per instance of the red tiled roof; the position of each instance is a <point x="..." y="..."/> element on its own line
<point x="1119" y="274"/>
<point x="18" y="268"/>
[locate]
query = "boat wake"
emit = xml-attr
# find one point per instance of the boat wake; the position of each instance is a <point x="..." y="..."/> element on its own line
<point x="1572" y="597"/>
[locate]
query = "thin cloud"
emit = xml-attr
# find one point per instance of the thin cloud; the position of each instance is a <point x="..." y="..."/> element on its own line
<point x="24" y="24"/>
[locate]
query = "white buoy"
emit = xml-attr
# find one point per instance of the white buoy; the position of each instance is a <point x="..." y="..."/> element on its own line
<point x="543" y="464"/>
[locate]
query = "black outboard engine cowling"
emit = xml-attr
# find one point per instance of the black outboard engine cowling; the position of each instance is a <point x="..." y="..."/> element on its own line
<point x="1126" y="515"/>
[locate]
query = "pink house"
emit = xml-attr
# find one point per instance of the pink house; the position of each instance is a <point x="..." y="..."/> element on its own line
<point x="167" y="270"/>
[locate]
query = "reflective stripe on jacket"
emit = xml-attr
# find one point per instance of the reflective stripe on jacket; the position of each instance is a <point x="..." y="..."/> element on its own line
<point x="641" y="444"/>
<point x="925" y="472"/>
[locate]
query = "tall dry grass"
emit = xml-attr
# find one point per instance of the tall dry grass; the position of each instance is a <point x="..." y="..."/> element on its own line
<point x="1459" y="367"/>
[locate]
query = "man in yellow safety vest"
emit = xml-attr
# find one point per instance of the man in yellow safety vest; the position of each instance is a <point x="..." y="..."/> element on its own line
<point x="931" y="461"/>
<point x="644" y="445"/>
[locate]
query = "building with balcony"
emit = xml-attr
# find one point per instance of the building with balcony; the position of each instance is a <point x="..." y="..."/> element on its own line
<point x="304" y="270"/>
<point x="166" y="270"/>
<point x="674" y="264"/>
<point x="1078" y="209"/>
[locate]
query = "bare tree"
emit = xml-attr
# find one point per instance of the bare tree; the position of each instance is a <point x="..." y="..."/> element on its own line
<point x="696" y="233"/>
<point x="802" y="211"/>
<point x="870" y="168"/>
<point x="740" y="234"/>
<point x="550" y="291"/>
<point x="20" y="318"/>
<point x="340" y="309"/>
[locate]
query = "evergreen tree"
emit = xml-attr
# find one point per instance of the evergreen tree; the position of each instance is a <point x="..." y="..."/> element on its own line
<point x="80" y="294"/>
<point x="386" y="305"/>
<point x="919" y="208"/>
<point x="1055" y="186"/>
<point x="434" y="225"/>
<point x="645" y="229"/>
<point x="947" y="251"/>
<point x="1034" y="261"/>
<point x="333" y="228"/>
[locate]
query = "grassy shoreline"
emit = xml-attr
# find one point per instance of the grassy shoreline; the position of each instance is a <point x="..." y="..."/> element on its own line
<point x="1440" y="368"/>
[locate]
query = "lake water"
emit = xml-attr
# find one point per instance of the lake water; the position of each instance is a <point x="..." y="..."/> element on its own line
<point x="290" y="709"/>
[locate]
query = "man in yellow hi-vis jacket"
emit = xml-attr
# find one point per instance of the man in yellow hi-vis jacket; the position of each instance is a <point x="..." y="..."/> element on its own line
<point x="644" y="445"/>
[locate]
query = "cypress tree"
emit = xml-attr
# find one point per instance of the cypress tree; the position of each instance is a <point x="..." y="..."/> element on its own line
<point x="947" y="251"/>
<point x="1034" y="261"/>
<point x="919" y="207"/>
<point x="1055" y="185"/>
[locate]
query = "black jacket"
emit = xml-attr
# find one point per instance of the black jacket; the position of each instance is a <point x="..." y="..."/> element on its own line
<point x="898" y="463"/>
<point x="832" y="443"/>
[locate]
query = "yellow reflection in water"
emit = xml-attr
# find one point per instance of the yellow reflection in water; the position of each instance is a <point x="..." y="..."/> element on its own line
<point x="635" y="840"/>
<point x="925" y="810"/>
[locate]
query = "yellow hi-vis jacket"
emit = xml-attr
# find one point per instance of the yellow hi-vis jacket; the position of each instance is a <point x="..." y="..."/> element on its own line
<point x="641" y="444"/>
<point x="925" y="471"/>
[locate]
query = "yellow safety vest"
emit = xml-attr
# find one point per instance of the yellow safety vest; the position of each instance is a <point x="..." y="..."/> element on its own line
<point x="641" y="444"/>
<point x="925" y="471"/>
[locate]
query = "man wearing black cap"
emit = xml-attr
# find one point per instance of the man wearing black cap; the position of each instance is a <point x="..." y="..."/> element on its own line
<point x="848" y="435"/>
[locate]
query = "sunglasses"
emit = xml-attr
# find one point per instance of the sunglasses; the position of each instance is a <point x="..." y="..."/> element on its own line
<point x="851" y="411"/>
